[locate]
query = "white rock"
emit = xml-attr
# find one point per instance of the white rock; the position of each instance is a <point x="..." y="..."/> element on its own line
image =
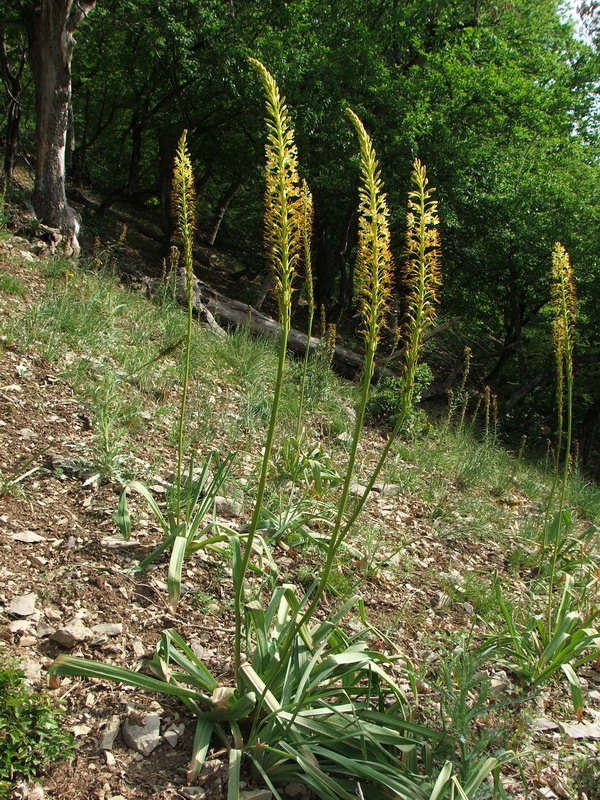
<point x="73" y="633"/>
<point x="111" y="731"/>
<point x="139" y="650"/>
<point x="143" y="738"/>
<point x="20" y="625"/>
<point x="32" y="670"/>
<point x="581" y="730"/>
<point x="171" y="735"/>
<point x="23" y="605"/>
<point x="117" y="542"/>
<point x="28" y="791"/>
<point x="227" y="507"/>
<point x="108" y="628"/>
<point x="544" y="724"/>
<point x="192" y="792"/>
<point x="29" y="537"/>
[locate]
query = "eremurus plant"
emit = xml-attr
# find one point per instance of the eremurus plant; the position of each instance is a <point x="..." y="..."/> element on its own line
<point x="183" y="525"/>
<point x="564" y="314"/>
<point x="562" y="638"/>
<point x="422" y="277"/>
<point x="374" y="269"/>
<point x="184" y="202"/>
<point x="283" y="221"/>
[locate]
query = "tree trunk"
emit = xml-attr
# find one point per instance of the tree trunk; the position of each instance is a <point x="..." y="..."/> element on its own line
<point x="135" y="161"/>
<point x="222" y="206"/>
<point x="325" y="267"/>
<point x="50" y="27"/>
<point x="13" y="118"/>
<point x="167" y="146"/>
<point x="589" y="428"/>
<point x="11" y="77"/>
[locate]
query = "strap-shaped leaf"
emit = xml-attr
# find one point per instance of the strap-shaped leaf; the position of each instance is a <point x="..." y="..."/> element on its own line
<point x="202" y="736"/>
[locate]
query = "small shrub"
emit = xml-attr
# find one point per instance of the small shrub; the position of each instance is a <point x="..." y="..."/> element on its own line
<point x="30" y="732"/>
<point x="586" y="778"/>
<point x="385" y="403"/>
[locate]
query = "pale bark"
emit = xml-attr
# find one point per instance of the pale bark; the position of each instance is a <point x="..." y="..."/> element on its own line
<point x="50" y="27"/>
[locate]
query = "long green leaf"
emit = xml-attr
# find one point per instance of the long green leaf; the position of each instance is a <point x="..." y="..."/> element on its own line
<point x="204" y="730"/>
<point x="233" y="773"/>
<point x="86" y="668"/>
<point x="140" y="488"/>
<point x="175" y="570"/>
<point x="182" y="655"/>
<point x="575" y="688"/>
<point x="439" y="788"/>
<point x="123" y="516"/>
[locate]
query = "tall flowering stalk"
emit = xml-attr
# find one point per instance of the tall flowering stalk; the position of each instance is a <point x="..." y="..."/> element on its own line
<point x="283" y="195"/>
<point x="184" y="201"/>
<point x="306" y="235"/>
<point x="423" y="275"/>
<point x="422" y="278"/>
<point x="374" y="267"/>
<point x="564" y="315"/>
<point x="283" y="244"/>
<point x="564" y="309"/>
<point x="374" y="270"/>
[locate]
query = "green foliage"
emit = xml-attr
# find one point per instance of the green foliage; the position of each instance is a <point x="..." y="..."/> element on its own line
<point x="183" y="522"/>
<point x="309" y="465"/>
<point x="538" y="652"/>
<point x="11" y="285"/>
<point x="466" y="699"/>
<point x="586" y="777"/>
<point x="385" y="403"/>
<point x="325" y="713"/>
<point x="31" y="737"/>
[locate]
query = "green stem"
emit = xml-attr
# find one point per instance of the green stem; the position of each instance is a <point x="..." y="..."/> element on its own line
<point x="239" y="588"/>
<point x="563" y="487"/>
<point x="337" y="533"/>
<point x="184" y="394"/>
<point x="311" y="315"/>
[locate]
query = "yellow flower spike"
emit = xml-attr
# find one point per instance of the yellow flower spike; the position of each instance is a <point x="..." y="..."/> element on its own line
<point x="306" y="231"/>
<point x="422" y="270"/>
<point x="283" y="240"/>
<point x="283" y="201"/>
<point x="564" y="314"/>
<point x="374" y="266"/>
<point x="564" y="307"/>
<point x="184" y="204"/>
<point x="306" y="227"/>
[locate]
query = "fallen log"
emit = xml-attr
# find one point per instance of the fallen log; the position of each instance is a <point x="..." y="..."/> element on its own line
<point x="210" y="305"/>
<point x="233" y="312"/>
